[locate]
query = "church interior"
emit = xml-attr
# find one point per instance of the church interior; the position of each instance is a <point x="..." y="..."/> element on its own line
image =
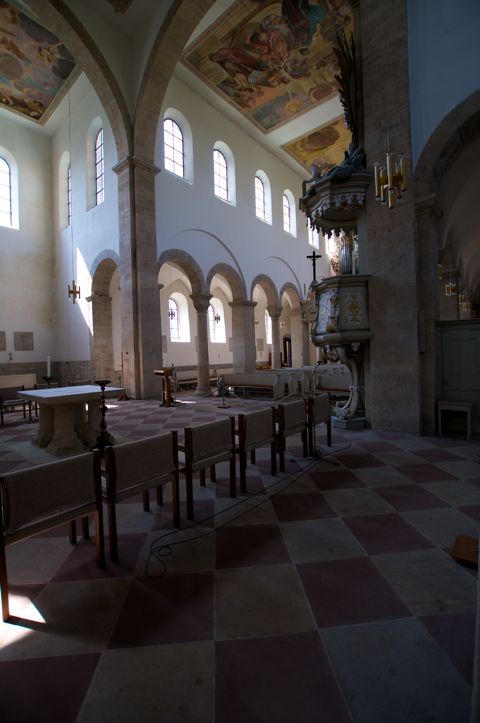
<point x="218" y="210"/>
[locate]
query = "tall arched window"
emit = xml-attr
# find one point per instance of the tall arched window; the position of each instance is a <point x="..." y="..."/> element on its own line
<point x="216" y="321"/>
<point x="268" y="327"/>
<point x="69" y="195"/>
<point x="173" y="148"/>
<point x="99" y="168"/>
<point x="220" y="176"/>
<point x="313" y="239"/>
<point x="173" y="319"/>
<point x="5" y="194"/>
<point x="260" y="210"/>
<point x="287" y="220"/>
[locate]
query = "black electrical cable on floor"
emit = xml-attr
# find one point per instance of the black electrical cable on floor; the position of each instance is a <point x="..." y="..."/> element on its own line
<point x="166" y="550"/>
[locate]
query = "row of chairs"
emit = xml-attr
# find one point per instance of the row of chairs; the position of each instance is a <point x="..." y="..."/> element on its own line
<point x="38" y="498"/>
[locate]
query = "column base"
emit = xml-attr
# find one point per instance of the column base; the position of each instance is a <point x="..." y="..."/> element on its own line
<point x="203" y="392"/>
<point x="352" y="423"/>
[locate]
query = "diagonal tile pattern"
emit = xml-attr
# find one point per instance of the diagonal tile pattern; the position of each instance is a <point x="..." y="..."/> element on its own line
<point x="328" y="588"/>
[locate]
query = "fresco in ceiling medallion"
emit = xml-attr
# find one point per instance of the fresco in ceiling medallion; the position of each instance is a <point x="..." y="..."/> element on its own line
<point x="34" y="64"/>
<point x="272" y="60"/>
<point x="325" y="147"/>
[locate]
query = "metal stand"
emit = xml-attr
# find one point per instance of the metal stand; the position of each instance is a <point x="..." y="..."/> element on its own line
<point x="104" y="439"/>
<point x="221" y="390"/>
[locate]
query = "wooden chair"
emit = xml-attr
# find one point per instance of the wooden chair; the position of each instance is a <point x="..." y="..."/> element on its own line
<point x="136" y="467"/>
<point x="204" y="446"/>
<point x="42" y="497"/>
<point x="318" y="412"/>
<point x="79" y="382"/>
<point x="255" y="430"/>
<point x="291" y="419"/>
<point x="9" y="401"/>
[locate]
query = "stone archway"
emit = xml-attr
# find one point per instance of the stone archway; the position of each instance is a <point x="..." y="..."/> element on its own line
<point x="103" y="362"/>
<point x="274" y="310"/>
<point x="298" y="331"/>
<point x="452" y="138"/>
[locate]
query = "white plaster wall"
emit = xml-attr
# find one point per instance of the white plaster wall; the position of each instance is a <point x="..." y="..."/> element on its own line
<point x="26" y="254"/>
<point x="189" y="217"/>
<point x="95" y="230"/>
<point x="444" y="57"/>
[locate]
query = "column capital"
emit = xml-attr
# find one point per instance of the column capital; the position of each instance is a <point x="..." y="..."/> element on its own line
<point x="201" y="302"/>
<point x="274" y="311"/>
<point x="130" y="162"/>
<point x="243" y="303"/>
<point x="429" y="205"/>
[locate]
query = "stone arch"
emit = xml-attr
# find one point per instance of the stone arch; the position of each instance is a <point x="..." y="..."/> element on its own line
<point x="266" y="283"/>
<point x="188" y="265"/>
<point x="105" y="316"/>
<point x="292" y="292"/>
<point x="58" y="18"/>
<point x="181" y="20"/>
<point x="458" y="130"/>
<point x="236" y="282"/>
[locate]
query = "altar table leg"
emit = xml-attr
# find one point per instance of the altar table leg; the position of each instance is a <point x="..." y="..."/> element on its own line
<point x="65" y="438"/>
<point x="45" y="426"/>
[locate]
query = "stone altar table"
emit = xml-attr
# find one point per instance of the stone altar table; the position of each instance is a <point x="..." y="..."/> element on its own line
<point x="69" y="417"/>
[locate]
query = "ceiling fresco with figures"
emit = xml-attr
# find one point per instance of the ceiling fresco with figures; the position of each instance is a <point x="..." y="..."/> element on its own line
<point x="273" y="61"/>
<point x="323" y="147"/>
<point x="34" y="64"/>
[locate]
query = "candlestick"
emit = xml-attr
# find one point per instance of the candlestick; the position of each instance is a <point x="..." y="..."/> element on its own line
<point x="48" y="366"/>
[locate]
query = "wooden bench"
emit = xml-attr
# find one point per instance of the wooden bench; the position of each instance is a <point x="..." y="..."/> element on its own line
<point x="253" y="382"/>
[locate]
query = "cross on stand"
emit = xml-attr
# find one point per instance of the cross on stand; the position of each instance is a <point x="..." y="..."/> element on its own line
<point x="314" y="258"/>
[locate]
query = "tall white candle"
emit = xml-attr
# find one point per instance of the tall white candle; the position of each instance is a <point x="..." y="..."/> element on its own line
<point x="48" y="366"/>
<point x="102" y="365"/>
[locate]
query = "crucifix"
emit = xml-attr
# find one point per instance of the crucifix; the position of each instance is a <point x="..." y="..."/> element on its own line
<point x="314" y="258"/>
<point x="74" y="291"/>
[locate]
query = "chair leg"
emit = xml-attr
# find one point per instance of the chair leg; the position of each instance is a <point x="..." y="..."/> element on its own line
<point x="189" y="489"/>
<point x="29" y="411"/>
<point x="252" y="456"/>
<point x="202" y="477"/>
<point x="273" y="459"/>
<point x="304" y="442"/>
<point x="176" y="501"/>
<point x="310" y="439"/>
<point x="243" y="477"/>
<point x="233" y="481"/>
<point x="146" y="501"/>
<point x="4" y="581"/>
<point x="85" y="528"/>
<point x="213" y="474"/>
<point x="281" y="453"/>
<point x="329" y="432"/>
<point x="73" y="533"/>
<point x="159" y="492"/>
<point x="99" y="540"/>
<point x="112" y="531"/>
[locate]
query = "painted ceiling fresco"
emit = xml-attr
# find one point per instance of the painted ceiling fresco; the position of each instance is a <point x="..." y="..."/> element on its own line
<point x="323" y="147"/>
<point x="34" y="64"/>
<point x="272" y="60"/>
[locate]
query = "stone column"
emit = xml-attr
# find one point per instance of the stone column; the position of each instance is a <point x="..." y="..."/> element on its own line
<point x="102" y="336"/>
<point x="393" y="377"/>
<point x="428" y="214"/>
<point x="201" y="303"/>
<point x="275" y="312"/>
<point x="243" y="335"/>
<point x="298" y="340"/>
<point x="141" y="342"/>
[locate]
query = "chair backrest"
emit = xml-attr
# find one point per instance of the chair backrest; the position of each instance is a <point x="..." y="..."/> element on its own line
<point x="318" y="408"/>
<point x="211" y="442"/>
<point x="133" y="464"/>
<point x="44" y="385"/>
<point x="292" y="416"/>
<point x="41" y="497"/>
<point x="79" y="382"/>
<point x="256" y="428"/>
<point x="9" y="393"/>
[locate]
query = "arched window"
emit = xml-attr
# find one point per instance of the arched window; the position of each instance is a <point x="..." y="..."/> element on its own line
<point x="268" y="327"/>
<point x="99" y="168"/>
<point x="69" y="195"/>
<point x="313" y="239"/>
<point x="220" y="176"/>
<point x="263" y="197"/>
<point x="6" y="218"/>
<point x="289" y="215"/>
<point x="216" y="321"/>
<point x="173" y="148"/>
<point x="287" y="221"/>
<point x="259" y="198"/>
<point x="173" y="319"/>
<point x="178" y="318"/>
